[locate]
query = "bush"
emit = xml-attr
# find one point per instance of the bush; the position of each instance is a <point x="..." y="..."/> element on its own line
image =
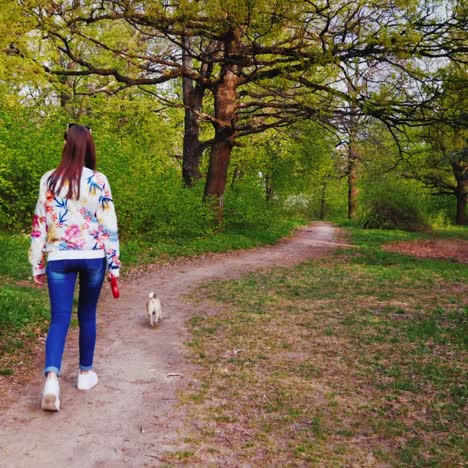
<point x="163" y="208"/>
<point x="245" y="205"/>
<point x="28" y="150"/>
<point x="392" y="204"/>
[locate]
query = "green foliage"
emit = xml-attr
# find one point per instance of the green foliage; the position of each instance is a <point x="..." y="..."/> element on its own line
<point x="293" y="170"/>
<point x="245" y="205"/>
<point x="158" y="216"/>
<point x="393" y="204"/>
<point x="163" y="208"/>
<point x="27" y="148"/>
<point x="438" y="154"/>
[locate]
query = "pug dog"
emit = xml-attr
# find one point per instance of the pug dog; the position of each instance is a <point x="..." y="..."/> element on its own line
<point x="153" y="309"/>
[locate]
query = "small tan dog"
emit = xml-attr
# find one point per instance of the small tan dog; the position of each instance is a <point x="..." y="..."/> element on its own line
<point x="153" y="309"/>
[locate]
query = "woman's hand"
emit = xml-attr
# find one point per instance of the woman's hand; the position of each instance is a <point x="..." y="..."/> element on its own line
<point x="40" y="279"/>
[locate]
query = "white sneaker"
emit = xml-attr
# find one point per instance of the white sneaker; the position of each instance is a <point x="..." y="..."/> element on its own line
<point x="50" y="395"/>
<point x="87" y="380"/>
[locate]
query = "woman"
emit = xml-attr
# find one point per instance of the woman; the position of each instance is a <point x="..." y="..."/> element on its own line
<point x="75" y="224"/>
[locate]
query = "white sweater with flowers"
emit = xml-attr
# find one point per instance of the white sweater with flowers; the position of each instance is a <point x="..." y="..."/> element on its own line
<point x="67" y="228"/>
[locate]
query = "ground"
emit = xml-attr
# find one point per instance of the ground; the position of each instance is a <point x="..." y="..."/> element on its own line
<point x="130" y="418"/>
<point x="456" y="250"/>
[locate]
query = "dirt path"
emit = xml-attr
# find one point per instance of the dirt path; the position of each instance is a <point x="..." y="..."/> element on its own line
<point x="129" y="418"/>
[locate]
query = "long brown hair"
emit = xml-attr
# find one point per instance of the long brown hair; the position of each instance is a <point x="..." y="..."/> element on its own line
<point x="78" y="152"/>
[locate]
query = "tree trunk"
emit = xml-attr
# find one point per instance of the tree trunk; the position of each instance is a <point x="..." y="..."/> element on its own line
<point x="352" y="84"/>
<point x="460" y="171"/>
<point x="353" y="159"/>
<point x="461" y="210"/>
<point x="225" y="111"/>
<point x="268" y="187"/>
<point x="236" y="175"/>
<point x="322" y="201"/>
<point x="193" y="101"/>
<point x="217" y="174"/>
<point x="192" y="148"/>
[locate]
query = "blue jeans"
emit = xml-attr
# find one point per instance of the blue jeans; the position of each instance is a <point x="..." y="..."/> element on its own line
<point x="61" y="278"/>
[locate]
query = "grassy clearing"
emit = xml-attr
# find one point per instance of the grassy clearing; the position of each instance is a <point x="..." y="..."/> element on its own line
<point x="358" y="359"/>
<point x="24" y="307"/>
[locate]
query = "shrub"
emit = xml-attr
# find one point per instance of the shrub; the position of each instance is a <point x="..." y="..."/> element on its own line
<point x="245" y="206"/>
<point x="163" y="208"/>
<point x="392" y="204"/>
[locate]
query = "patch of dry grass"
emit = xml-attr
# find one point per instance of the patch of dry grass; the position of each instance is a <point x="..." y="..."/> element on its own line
<point x="456" y="250"/>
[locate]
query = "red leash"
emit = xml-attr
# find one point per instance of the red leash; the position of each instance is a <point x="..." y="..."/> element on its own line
<point x="114" y="286"/>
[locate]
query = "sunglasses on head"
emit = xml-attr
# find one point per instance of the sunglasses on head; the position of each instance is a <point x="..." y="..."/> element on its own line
<point x="70" y="125"/>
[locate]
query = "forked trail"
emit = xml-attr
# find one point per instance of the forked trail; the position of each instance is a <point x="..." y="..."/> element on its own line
<point x="130" y="418"/>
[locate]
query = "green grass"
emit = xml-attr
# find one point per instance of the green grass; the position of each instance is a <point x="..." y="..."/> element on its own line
<point x="379" y="236"/>
<point x="24" y="313"/>
<point x="355" y="359"/>
<point x="20" y="298"/>
<point x="14" y="256"/>
<point x="24" y="309"/>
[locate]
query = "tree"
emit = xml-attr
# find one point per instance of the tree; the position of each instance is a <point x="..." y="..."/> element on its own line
<point x="265" y="64"/>
<point x="441" y="161"/>
<point x="193" y="93"/>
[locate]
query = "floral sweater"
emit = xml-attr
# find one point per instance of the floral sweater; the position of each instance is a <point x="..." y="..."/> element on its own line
<point x="68" y="228"/>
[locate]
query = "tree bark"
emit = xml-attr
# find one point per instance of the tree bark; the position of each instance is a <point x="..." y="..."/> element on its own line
<point x="460" y="171"/>
<point x="192" y="147"/>
<point x="236" y="175"/>
<point x="352" y="83"/>
<point x="193" y="101"/>
<point x="268" y="187"/>
<point x="353" y="159"/>
<point x="225" y="112"/>
<point x="322" y="201"/>
<point x="461" y="210"/>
